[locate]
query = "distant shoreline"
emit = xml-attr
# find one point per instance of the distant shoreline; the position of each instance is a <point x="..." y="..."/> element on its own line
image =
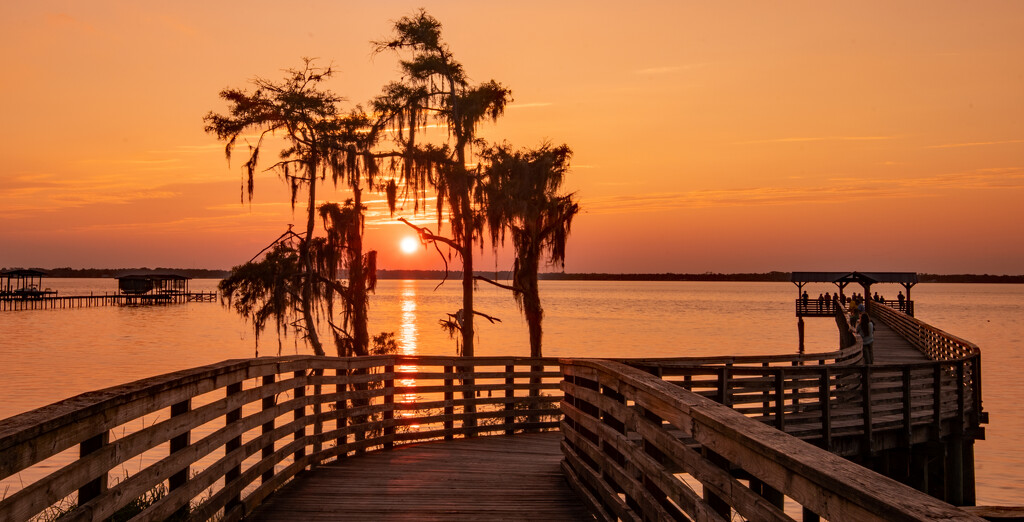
<point x="196" y="273"/>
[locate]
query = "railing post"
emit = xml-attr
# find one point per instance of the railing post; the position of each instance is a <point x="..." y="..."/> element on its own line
<point x="825" y="400"/>
<point x="780" y="400"/>
<point x="232" y="444"/>
<point x="961" y="405"/>
<point x="724" y="397"/>
<point x="936" y="402"/>
<point x="97" y="486"/>
<point x="907" y="408"/>
<point x="268" y="450"/>
<point x="389" y="406"/>
<point x="299" y="413"/>
<point x="179" y="443"/>
<point x="865" y="372"/>
<point x="449" y="402"/>
<point x="976" y="392"/>
<point x="510" y="396"/>
<point x="341" y="410"/>
<point x="766" y="400"/>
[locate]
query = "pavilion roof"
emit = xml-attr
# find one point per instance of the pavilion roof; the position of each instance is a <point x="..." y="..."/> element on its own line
<point x="904" y="278"/>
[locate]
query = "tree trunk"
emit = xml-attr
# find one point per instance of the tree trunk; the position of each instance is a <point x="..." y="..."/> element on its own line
<point x="357" y="283"/>
<point x="306" y="260"/>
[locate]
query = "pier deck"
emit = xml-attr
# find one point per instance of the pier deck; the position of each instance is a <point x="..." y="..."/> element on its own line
<point x="483" y="478"/>
<point x="891" y="348"/>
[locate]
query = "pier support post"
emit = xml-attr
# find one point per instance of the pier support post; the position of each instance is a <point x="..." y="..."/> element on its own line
<point x="800" y="331"/>
<point x="954" y="471"/>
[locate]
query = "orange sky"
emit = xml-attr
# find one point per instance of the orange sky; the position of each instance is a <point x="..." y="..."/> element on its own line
<point x="708" y="137"/>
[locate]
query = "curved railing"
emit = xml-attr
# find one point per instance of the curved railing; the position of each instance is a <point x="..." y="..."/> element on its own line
<point x="940" y="346"/>
<point x="838" y="404"/>
<point x="216" y="440"/>
<point x="638" y="448"/>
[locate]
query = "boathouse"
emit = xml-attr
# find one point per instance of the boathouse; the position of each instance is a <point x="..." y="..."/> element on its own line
<point x="152" y="284"/>
<point x="23" y="283"/>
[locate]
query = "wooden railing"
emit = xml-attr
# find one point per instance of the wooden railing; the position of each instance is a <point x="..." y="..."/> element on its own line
<point x="940" y="346"/>
<point x="218" y="439"/>
<point x="637" y="447"/>
<point x="833" y="401"/>
<point x="823" y="308"/>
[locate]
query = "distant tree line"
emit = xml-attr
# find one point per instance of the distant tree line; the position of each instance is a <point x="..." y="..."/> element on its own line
<point x="970" y="278"/>
<point x="195" y="273"/>
<point x="202" y="273"/>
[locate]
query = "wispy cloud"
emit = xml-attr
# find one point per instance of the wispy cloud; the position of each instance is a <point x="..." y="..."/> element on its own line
<point x="817" y="138"/>
<point x="529" y="105"/>
<point x="838" y="190"/>
<point x="972" y="144"/>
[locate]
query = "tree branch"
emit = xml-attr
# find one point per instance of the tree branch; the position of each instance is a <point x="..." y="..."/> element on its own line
<point x="497" y="284"/>
<point x="427" y="235"/>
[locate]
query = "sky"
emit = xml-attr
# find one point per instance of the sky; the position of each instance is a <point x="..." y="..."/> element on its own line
<point x="707" y="136"/>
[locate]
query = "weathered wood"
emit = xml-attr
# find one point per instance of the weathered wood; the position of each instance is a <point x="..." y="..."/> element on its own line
<point x="826" y="484"/>
<point x="433" y="481"/>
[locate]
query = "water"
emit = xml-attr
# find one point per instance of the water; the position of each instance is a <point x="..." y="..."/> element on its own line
<point x="48" y="355"/>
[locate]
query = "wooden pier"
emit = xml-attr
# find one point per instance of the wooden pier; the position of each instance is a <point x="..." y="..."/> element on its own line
<point x="707" y="438"/>
<point x="481" y="478"/>
<point x="81" y="301"/>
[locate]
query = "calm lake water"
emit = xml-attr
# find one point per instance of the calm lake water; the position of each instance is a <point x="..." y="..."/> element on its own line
<point x="49" y="355"/>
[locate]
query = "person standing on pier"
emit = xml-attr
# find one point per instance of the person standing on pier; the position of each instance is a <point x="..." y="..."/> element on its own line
<point x="867" y="334"/>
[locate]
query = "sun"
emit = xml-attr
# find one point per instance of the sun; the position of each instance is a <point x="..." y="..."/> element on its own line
<point x="409" y="244"/>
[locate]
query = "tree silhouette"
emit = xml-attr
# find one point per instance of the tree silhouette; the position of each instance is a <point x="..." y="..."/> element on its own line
<point x="519" y="193"/>
<point x="434" y="90"/>
<point x="296" y="283"/>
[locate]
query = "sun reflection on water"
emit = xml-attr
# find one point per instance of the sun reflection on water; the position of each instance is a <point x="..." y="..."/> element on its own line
<point x="407" y="345"/>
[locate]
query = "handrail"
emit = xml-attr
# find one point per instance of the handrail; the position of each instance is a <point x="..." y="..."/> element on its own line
<point x="838" y="404"/>
<point x="629" y="436"/>
<point x="938" y="345"/>
<point x="220" y="438"/>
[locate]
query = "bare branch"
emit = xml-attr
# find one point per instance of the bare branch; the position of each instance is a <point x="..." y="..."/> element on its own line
<point x="497" y="284"/>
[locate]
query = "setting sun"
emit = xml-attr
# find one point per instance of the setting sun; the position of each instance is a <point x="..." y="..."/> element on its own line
<point x="409" y="244"/>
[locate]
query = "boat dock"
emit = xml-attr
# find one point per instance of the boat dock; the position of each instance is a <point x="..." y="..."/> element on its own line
<point x="23" y="289"/>
<point x="81" y="301"/>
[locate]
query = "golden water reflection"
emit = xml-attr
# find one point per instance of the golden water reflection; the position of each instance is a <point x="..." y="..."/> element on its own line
<point x="408" y="335"/>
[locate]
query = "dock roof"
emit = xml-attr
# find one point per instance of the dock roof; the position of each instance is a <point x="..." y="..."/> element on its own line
<point x="24" y="272"/>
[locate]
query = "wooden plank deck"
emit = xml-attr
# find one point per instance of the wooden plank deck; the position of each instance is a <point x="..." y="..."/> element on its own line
<point x="891" y="348"/>
<point x="484" y="478"/>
